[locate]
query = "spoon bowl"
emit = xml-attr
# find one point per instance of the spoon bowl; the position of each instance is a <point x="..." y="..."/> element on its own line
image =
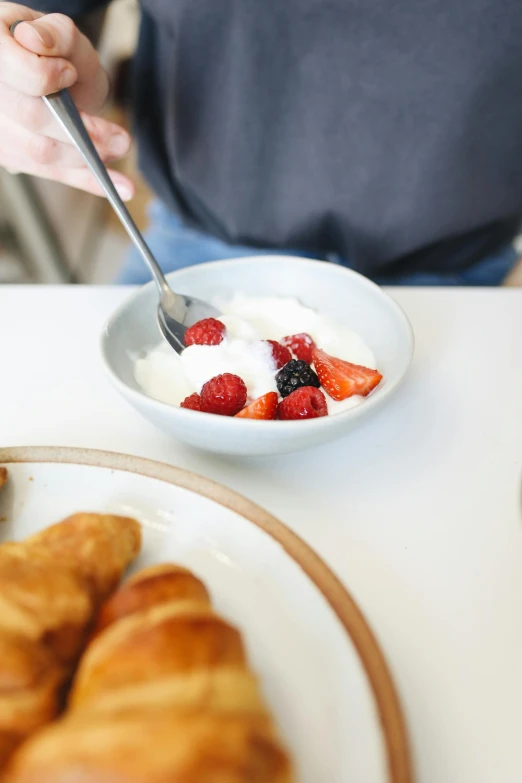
<point x="176" y="313"/>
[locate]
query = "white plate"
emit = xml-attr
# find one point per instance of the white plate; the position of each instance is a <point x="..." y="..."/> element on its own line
<point x="321" y="669"/>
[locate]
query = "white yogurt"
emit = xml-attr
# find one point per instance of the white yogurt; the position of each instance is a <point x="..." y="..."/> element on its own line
<point x="164" y="375"/>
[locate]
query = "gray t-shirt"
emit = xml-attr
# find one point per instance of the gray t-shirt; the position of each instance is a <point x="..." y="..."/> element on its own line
<point x="389" y="133"/>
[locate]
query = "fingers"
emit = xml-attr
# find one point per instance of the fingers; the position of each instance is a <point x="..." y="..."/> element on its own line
<point x="33" y="115"/>
<point x="48" y="53"/>
<point x="14" y="12"/>
<point x="24" y="150"/>
<point x="111" y="140"/>
<point x="56" y="36"/>
<point x="30" y="74"/>
<point x="82" y="179"/>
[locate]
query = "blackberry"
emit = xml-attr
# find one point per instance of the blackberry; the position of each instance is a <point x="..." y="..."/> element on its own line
<point x="295" y="374"/>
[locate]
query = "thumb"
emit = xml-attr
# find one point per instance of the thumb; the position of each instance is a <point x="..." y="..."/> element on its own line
<point x="56" y="36"/>
<point x="34" y="36"/>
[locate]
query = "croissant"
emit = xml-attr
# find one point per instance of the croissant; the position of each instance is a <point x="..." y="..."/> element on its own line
<point x="163" y="694"/>
<point x="50" y="588"/>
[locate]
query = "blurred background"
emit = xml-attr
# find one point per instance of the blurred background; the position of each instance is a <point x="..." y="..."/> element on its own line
<point x="53" y="234"/>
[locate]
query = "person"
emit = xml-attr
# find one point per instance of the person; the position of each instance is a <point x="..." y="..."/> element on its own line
<point x="383" y="136"/>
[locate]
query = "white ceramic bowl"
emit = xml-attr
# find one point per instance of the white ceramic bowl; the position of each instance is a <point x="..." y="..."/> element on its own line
<point x="334" y="290"/>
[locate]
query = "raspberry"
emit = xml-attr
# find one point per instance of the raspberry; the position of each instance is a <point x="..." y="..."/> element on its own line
<point x="304" y="403"/>
<point x="294" y="375"/>
<point x="193" y="403"/>
<point x="301" y="346"/>
<point x="209" y="331"/>
<point x="225" y="395"/>
<point x="281" y="355"/>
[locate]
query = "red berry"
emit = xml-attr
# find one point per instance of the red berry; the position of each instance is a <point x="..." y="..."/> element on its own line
<point x="264" y="407"/>
<point x="304" y="403"/>
<point x="343" y="379"/>
<point x="225" y="395"/>
<point x="209" y="331"/>
<point x="301" y="346"/>
<point x="193" y="403"/>
<point x="281" y="355"/>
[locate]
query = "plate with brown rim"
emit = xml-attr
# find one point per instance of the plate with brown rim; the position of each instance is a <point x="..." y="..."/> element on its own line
<point x="322" y="671"/>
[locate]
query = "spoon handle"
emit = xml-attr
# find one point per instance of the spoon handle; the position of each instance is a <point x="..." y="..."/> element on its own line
<point x="64" y="109"/>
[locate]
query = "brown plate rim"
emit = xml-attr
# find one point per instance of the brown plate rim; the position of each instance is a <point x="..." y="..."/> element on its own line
<point x="350" y="616"/>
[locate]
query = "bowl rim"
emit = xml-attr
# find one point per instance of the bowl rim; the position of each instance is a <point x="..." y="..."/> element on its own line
<point x="378" y="396"/>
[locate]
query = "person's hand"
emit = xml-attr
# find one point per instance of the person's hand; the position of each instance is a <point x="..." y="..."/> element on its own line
<point x="47" y="53"/>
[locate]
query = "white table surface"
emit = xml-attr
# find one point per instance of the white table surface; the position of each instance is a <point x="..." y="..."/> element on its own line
<point x="418" y="510"/>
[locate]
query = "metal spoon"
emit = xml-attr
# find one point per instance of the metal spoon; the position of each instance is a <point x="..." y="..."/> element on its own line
<point x="176" y="312"/>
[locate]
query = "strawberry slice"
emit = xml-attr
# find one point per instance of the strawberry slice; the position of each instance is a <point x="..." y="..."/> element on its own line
<point x="342" y="379"/>
<point x="264" y="407"/>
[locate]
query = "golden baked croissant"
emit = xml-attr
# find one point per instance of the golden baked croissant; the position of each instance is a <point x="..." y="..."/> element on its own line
<point x="98" y="548"/>
<point x="50" y="588"/>
<point x="163" y="694"/>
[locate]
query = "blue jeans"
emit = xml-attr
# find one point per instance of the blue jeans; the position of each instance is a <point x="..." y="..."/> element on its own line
<point x="176" y="246"/>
